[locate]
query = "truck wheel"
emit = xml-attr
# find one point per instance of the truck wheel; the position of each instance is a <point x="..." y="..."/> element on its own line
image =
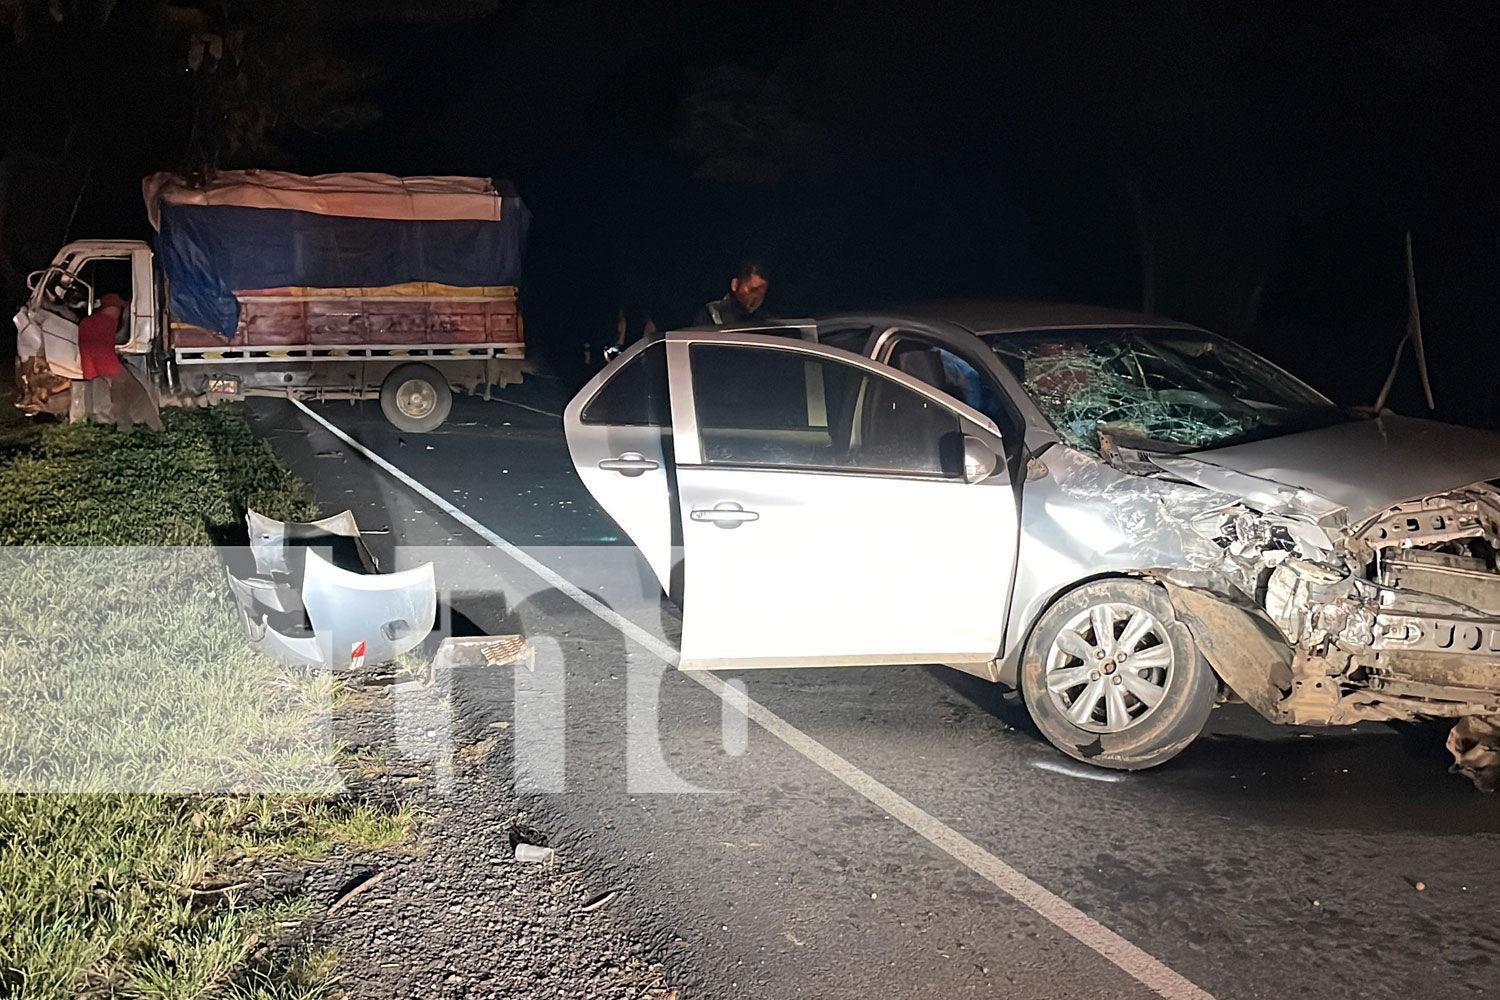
<point x="416" y="398"/>
<point x="1111" y="677"/>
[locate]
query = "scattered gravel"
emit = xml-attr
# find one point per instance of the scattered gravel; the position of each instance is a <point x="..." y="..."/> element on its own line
<point x="458" y="916"/>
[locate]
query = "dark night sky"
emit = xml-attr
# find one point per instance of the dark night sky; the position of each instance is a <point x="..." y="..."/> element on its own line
<point x="1270" y="156"/>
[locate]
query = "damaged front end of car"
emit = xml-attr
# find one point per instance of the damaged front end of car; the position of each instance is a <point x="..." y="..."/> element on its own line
<point x="1316" y="621"/>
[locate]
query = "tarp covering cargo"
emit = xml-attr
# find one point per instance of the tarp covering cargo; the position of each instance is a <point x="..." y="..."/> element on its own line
<point x="258" y="229"/>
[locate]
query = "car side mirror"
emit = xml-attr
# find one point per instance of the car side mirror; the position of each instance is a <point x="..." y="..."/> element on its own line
<point x="980" y="461"/>
<point x="969" y="457"/>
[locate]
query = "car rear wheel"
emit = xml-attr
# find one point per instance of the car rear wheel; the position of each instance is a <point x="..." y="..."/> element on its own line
<point x="1111" y="677"/>
<point x="416" y="398"/>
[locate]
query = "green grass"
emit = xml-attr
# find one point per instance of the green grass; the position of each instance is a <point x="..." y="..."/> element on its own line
<point x="82" y="484"/>
<point x="124" y="670"/>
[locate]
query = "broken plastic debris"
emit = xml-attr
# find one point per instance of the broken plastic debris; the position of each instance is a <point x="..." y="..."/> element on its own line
<point x="600" y="901"/>
<point x="533" y="853"/>
<point x="484" y="651"/>
<point x="301" y="608"/>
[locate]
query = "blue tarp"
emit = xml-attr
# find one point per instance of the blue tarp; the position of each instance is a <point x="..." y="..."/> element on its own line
<point x="209" y="251"/>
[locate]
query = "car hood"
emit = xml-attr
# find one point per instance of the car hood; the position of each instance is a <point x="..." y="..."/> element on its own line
<point x="1365" y="466"/>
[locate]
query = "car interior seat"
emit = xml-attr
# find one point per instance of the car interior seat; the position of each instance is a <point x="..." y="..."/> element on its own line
<point x="904" y="429"/>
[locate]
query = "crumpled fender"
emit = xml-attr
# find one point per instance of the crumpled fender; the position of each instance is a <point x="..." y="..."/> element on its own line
<point x="1243" y="646"/>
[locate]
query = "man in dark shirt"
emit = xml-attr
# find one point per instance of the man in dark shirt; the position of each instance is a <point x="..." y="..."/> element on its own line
<point x="741" y="307"/>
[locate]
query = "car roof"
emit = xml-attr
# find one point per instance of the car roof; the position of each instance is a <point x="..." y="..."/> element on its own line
<point x="986" y="316"/>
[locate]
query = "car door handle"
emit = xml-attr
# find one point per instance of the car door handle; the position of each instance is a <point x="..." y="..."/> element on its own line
<point x="631" y="463"/>
<point x="726" y="515"/>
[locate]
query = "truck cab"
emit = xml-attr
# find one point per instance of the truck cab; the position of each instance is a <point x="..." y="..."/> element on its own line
<point x="81" y="273"/>
<point x="266" y="300"/>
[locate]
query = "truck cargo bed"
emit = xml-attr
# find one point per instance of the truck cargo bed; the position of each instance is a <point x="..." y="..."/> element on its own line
<point x="413" y="314"/>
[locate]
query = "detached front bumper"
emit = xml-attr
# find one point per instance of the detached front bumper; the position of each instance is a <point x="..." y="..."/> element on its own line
<point x="314" y="596"/>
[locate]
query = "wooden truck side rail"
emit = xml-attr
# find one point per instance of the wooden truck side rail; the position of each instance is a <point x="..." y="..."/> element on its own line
<point x="357" y="343"/>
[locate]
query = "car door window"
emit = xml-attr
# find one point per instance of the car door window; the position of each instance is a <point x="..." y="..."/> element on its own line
<point x="947" y="372"/>
<point x="973" y="386"/>
<point x="763" y="407"/>
<point x="636" y="395"/>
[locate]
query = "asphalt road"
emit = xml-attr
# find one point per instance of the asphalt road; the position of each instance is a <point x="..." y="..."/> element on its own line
<point x="1262" y="862"/>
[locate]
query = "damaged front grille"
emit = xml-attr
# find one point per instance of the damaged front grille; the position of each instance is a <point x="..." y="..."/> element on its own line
<point x="1406" y="625"/>
<point x="1462" y="578"/>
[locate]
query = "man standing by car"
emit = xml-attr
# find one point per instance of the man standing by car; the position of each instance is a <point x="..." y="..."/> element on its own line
<point x="747" y="293"/>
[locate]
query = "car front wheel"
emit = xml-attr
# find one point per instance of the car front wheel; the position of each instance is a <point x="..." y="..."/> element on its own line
<point x="1111" y="677"/>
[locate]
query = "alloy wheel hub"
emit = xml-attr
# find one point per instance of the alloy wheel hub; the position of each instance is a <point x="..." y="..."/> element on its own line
<point x="1109" y="667"/>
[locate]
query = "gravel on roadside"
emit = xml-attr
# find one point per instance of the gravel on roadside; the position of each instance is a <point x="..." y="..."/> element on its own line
<point x="459" y="916"/>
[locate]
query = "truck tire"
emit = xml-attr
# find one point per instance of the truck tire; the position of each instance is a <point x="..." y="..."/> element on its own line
<point x="1111" y="677"/>
<point x="416" y="398"/>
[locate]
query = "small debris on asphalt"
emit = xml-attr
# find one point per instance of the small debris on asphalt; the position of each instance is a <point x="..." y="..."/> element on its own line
<point x="600" y="903"/>
<point x="1421" y="886"/>
<point x="533" y="853"/>
<point x="355" y="891"/>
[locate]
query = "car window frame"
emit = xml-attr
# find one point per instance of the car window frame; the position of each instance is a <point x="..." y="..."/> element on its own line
<point x="625" y="362"/>
<point x="689" y="450"/>
<point x="971" y="349"/>
<point x="852" y="435"/>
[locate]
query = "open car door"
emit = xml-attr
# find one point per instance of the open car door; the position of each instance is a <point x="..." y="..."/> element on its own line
<point x="616" y="427"/>
<point x="833" y="511"/>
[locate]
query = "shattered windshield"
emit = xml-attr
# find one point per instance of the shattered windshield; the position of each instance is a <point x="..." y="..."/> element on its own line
<point x="1167" y="390"/>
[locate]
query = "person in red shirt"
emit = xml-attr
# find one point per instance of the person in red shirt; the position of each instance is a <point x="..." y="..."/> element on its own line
<point x="96" y="339"/>
<point x="119" y="398"/>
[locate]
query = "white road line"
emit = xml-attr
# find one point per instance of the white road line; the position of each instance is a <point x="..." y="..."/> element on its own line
<point x="1140" y="966"/>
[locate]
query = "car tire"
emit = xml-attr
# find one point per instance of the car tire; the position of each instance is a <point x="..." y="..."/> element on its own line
<point x="416" y="398"/>
<point x="1122" y="708"/>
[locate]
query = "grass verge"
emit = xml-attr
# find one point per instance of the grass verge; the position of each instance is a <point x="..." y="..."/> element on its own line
<point x="124" y="669"/>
